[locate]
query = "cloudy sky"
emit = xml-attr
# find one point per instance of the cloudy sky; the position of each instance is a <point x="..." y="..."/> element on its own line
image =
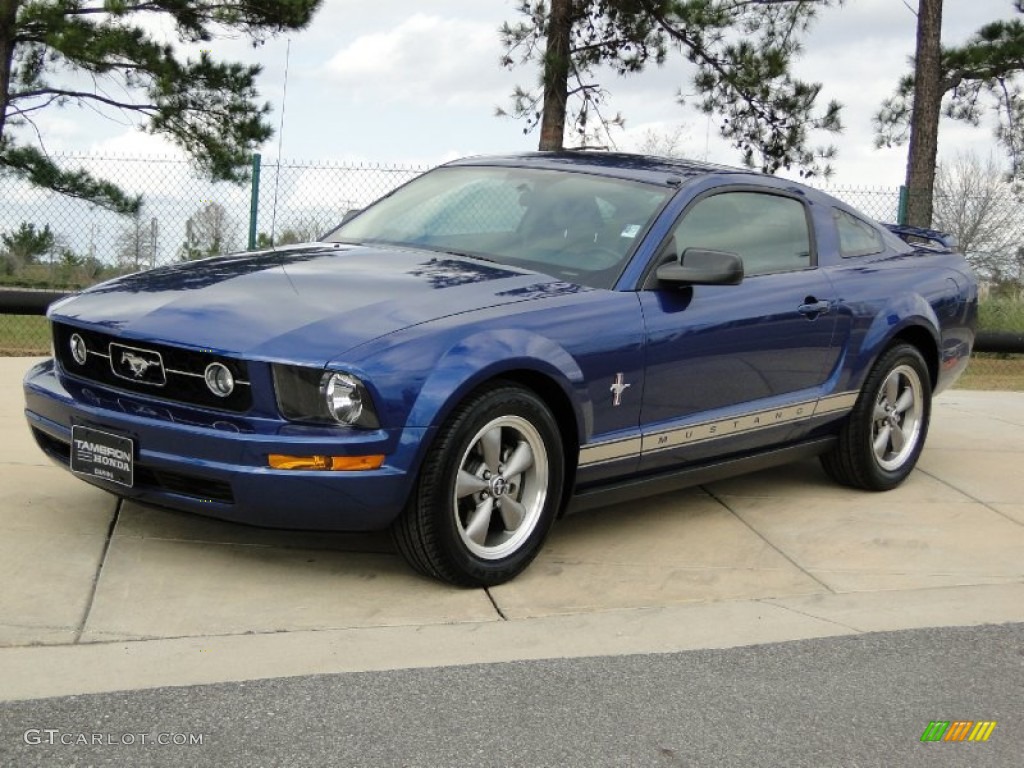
<point x="410" y="82"/>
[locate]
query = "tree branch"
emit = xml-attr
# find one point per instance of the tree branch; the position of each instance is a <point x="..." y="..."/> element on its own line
<point x="59" y="93"/>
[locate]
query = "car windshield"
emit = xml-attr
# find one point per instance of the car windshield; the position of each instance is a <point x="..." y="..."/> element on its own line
<point x="574" y="226"/>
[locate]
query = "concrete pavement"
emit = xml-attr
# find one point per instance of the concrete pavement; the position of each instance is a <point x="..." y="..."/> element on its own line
<point x="100" y="595"/>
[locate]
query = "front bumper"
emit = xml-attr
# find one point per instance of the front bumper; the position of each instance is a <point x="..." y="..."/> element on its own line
<point x="197" y="461"/>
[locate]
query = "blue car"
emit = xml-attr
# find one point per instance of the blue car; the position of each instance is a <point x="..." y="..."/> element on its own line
<point x="506" y="339"/>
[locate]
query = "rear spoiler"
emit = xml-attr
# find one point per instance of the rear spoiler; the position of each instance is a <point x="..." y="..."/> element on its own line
<point x="921" y="236"/>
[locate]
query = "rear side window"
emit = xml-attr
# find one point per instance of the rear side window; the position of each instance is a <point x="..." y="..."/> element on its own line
<point x="769" y="232"/>
<point x="856" y="237"/>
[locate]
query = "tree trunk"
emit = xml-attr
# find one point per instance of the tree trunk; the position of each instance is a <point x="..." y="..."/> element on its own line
<point x="556" y="75"/>
<point x="924" y="120"/>
<point x="8" y="18"/>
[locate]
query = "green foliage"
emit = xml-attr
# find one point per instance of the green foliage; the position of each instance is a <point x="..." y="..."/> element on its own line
<point x="209" y="109"/>
<point x="741" y="51"/>
<point x="306" y="230"/>
<point x="32" y="164"/>
<point x="981" y="77"/>
<point x="25" y="245"/>
<point x="1001" y="314"/>
<point x="71" y="272"/>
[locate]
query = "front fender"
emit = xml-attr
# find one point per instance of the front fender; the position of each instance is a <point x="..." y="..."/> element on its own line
<point x="489" y="354"/>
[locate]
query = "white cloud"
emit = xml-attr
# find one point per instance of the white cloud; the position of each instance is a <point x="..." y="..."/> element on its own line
<point x="424" y="61"/>
<point x="136" y="143"/>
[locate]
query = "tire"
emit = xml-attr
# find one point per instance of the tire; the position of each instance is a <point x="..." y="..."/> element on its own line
<point x="882" y="438"/>
<point x="488" y="491"/>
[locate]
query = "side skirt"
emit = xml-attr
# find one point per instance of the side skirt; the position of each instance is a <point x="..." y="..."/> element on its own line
<point x="650" y="485"/>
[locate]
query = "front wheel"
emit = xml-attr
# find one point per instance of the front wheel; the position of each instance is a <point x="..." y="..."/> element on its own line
<point x="883" y="436"/>
<point x="488" y="490"/>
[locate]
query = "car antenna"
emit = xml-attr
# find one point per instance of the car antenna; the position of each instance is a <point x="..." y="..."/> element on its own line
<point x="280" y="142"/>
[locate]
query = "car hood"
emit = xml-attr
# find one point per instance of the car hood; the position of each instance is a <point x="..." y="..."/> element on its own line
<point x="303" y="304"/>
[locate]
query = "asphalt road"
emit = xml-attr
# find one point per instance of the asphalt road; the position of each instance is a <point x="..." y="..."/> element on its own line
<point x="849" y="701"/>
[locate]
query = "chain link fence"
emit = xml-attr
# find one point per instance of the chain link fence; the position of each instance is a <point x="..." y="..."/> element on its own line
<point x="51" y="241"/>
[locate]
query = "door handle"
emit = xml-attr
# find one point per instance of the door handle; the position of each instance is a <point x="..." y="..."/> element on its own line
<point x="811" y="307"/>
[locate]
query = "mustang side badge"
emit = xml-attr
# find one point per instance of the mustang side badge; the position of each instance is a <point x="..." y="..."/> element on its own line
<point x="618" y="388"/>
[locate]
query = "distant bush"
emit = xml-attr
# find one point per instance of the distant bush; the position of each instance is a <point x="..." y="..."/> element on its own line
<point x="1001" y="315"/>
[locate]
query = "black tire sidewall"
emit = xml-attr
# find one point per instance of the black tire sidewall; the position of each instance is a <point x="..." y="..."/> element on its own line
<point x="877" y="476"/>
<point x="445" y="458"/>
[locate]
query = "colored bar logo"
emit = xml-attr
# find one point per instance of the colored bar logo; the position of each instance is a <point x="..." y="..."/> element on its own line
<point x="958" y="730"/>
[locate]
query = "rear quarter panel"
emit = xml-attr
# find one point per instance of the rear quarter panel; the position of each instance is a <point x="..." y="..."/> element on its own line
<point x="925" y="297"/>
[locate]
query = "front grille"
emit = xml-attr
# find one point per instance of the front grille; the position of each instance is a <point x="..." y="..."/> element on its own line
<point x="145" y="477"/>
<point x="185" y="485"/>
<point x="51" y="446"/>
<point x="156" y="370"/>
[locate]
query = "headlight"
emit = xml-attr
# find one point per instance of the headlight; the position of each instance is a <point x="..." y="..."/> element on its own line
<point x="325" y="397"/>
<point x="342" y="396"/>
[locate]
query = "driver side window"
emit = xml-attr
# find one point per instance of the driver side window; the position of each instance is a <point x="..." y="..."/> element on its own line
<point x="768" y="232"/>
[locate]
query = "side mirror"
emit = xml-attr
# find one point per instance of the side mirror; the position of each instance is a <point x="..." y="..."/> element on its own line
<point x="698" y="266"/>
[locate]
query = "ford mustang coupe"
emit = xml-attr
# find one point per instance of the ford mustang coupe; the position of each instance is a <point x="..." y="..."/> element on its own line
<point x="504" y="339"/>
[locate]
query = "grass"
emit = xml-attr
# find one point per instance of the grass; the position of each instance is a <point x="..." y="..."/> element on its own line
<point x="994" y="372"/>
<point x="1001" y="315"/>
<point x="997" y="371"/>
<point x="24" y="335"/>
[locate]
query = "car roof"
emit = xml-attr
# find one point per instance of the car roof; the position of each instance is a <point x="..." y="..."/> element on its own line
<point x="647" y="168"/>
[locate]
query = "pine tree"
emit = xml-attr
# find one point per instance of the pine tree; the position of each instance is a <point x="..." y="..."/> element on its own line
<point x="981" y="77"/>
<point x="50" y="50"/>
<point x="741" y="52"/>
<point x="26" y="244"/>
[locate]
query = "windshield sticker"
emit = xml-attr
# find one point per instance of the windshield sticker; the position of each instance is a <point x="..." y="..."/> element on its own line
<point x="631" y="231"/>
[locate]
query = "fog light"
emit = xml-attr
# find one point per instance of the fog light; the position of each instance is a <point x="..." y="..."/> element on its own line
<point x="78" y="349"/>
<point x="219" y="379"/>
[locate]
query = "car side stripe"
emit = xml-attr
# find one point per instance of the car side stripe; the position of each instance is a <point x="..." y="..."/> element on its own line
<point x="600" y="453"/>
<point x="624" y="448"/>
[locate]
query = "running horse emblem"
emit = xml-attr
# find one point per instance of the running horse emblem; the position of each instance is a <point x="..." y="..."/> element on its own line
<point x="137" y="364"/>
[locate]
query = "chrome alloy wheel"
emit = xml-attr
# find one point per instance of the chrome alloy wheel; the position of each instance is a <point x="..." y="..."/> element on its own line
<point x="897" y="418"/>
<point x="501" y="487"/>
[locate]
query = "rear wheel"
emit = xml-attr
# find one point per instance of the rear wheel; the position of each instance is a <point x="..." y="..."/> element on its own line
<point x="488" y="490"/>
<point x="882" y="438"/>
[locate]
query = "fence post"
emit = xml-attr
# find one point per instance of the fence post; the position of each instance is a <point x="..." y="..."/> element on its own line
<point x="901" y="215"/>
<point x="254" y="201"/>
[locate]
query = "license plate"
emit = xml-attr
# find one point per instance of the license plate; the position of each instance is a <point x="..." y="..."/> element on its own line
<point x="103" y="455"/>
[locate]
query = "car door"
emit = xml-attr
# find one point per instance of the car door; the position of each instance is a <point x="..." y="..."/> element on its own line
<point x="731" y="368"/>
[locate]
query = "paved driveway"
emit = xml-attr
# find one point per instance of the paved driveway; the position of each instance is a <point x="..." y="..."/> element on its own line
<point x="103" y="595"/>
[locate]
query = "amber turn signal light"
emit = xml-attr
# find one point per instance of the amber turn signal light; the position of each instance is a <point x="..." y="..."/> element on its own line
<point x="336" y="463"/>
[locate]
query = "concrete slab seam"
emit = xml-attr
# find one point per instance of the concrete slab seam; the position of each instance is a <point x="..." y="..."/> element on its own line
<point x="124" y="638"/>
<point x="99" y="572"/>
<point x="773" y="602"/>
<point x="985" y="504"/>
<point x="497" y="608"/>
<point x="770" y="543"/>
